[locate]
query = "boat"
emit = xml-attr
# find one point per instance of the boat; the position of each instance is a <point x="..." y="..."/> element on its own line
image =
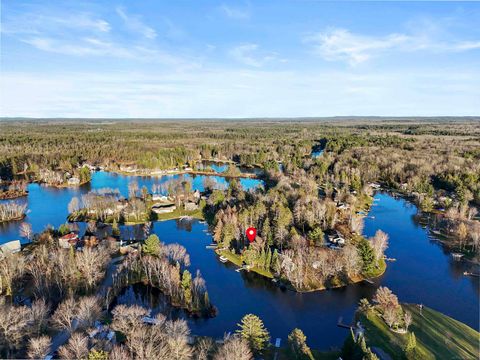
<point x="223" y="259"/>
<point x="211" y="246"/>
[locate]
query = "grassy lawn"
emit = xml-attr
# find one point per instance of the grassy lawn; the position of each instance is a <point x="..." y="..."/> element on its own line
<point x="438" y="336"/>
<point x="237" y="260"/>
<point x="177" y="213"/>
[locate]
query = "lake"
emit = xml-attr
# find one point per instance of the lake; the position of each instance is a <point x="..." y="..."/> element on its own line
<point x="423" y="273"/>
<point x="49" y="205"/>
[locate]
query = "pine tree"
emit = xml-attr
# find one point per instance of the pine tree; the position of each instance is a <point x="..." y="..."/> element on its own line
<point x="298" y="345"/>
<point x="411" y="347"/>
<point x="115" y="229"/>
<point x="187" y="288"/>
<point x="253" y="330"/>
<point x="367" y="254"/>
<point x="152" y="245"/>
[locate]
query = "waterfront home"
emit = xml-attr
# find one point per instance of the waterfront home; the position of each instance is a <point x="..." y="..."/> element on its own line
<point x="375" y="185"/>
<point x="10" y="247"/>
<point x="68" y="240"/>
<point x="337" y="239"/>
<point x="73" y="181"/>
<point x="159" y="197"/>
<point x="191" y="206"/>
<point x="163" y="208"/>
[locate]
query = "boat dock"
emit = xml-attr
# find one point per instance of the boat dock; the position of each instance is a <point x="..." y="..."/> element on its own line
<point x="342" y="325"/>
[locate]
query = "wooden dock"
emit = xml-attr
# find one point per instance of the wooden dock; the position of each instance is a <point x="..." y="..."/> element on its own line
<point x="342" y="325"/>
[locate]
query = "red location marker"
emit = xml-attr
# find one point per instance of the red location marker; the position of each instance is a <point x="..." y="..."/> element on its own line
<point x="251" y="233"/>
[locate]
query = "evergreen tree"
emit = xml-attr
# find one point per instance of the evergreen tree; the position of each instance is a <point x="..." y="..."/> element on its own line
<point x="152" y="245"/>
<point x="253" y="330"/>
<point x="187" y="288"/>
<point x="367" y="254"/>
<point x="298" y="345"/>
<point x="115" y="228"/>
<point x="411" y="347"/>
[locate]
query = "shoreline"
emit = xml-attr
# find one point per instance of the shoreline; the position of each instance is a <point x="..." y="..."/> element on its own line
<point x="161" y="173"/>
<point x="268" y="275"/>
<point x="7" y="196"/>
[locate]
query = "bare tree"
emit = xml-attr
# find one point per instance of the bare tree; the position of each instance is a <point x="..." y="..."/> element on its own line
<point x="64" y="315"/>
<point x="234" y="347"/>
<point x="14" y="325"/>
<point x="204" y="348"/>
<point x="26" y="230"/>
<point x="12" y="267"/>
<point x="39" y="348"/>
<point x="73" y="205"/>
<point x="407" y="319"/>
<point x="119" y="352"/>
<point x="351" y="260"/>
<point x="39" y="314"/>
<point x="88" y="310"/>
<point x="76" y="348"/>
<point x="379" y="243"/>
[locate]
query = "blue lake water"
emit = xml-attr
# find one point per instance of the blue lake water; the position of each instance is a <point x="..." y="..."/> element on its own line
<point x="423" y="273"/>
<point x="49" y="205"/>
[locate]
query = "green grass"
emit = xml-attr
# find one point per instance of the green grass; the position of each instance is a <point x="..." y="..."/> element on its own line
<point x="197" y="214"/>
<point x="237" y="260"/>
<point x="438" y="336"/>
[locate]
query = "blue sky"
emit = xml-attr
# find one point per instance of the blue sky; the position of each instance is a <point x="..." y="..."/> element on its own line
<point x="239" y="59"/>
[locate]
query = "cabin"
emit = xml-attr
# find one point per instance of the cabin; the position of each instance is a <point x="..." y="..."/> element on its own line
<point x="159" y="197"/>
<point x="73" y="181"/>
<point x="336" y="239"/>
<point x="375" y="186"/>
<point x="10" y="247"/>
<point x="163" y="208"/>
<point x="191" y="206"/>
<point x="68" y="240"/>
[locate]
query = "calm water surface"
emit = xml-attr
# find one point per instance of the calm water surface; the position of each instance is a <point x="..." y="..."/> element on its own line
<point x="423" y="272"/>
<point x="48" y="205"/>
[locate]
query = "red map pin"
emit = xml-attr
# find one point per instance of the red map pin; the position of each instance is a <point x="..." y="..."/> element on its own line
<point x="251" y="233"/>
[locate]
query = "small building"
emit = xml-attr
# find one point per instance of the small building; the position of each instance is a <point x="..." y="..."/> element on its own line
<point x="164" y="208"/>
<point x="375" y="185"/>
<point x="68" y="240"/>
<point x="73" y="181"/>
<point x="191" y="206"/>
<point x="159" y="197"/>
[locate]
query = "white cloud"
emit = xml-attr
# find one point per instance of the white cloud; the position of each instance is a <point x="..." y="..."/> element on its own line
<point x="235" y="12"/>
<point x="240" y="93"/>
<point x="37" y="23"/>
<point x="135" y="23"/>
<point x="248" y="54"/>
<point x="341" y="44"/>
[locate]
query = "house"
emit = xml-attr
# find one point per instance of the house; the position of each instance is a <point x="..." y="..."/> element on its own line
<point x="375" y="185"/>
<point x="10" y="247"/>
<point x="128" y="168"/>
<point x="337" y="239"/>
<point x="159" y="197"/>
<point x="73" y="181"/>
<point x="68" y="240"/>
<point x="191" y="206"/>
<point x="164" y="208"/>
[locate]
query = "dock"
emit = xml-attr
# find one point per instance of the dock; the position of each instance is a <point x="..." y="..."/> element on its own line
<point x="369" y="281"/>
<point x="342" y="325"/>
<point x="457" y="256"/>
<point x="467" y="273"/>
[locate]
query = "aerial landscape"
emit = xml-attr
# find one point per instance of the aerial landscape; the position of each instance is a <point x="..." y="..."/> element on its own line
<point x="177" y="183"/>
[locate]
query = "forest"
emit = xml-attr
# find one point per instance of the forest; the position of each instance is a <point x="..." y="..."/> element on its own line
<point x="309" y="215"/>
